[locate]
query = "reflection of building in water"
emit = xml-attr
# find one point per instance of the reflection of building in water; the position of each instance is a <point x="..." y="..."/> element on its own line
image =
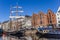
<point x="29" y="38"/>
<point x="4" y="37"/>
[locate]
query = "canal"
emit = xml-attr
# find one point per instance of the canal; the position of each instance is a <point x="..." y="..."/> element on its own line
<point x="5" y="37"/>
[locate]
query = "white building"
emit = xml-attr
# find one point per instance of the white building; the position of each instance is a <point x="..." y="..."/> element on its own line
<point x="27" y="22"/>
<point x="5" y="25"/>
<point x="58" y="17"/>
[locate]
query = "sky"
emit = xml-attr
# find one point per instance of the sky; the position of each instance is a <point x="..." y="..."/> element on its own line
<point x="29" y="7"/>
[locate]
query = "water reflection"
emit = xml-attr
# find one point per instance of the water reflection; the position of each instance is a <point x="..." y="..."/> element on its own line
<point x="5" y="37"/>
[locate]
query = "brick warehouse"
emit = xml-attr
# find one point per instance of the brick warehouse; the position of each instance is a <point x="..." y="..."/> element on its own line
<point x="35" y="20"/>
<point x="51" y="18"/>
<point x="43" y="20"/>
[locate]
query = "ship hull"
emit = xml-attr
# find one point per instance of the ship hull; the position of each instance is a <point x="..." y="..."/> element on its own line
<point x="48" y="35"/>
<point x="52" y="36"/>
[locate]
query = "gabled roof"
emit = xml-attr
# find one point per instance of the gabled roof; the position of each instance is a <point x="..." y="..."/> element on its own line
<point x="50" y="11"/>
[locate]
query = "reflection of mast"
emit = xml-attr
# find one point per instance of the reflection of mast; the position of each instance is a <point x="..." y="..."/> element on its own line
<point x="14" y="16"/>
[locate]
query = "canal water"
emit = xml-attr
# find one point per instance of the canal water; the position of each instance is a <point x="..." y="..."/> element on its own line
<point x="5" y="37"/>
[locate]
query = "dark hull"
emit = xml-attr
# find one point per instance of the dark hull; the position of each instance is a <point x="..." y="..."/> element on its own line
<point x="57" y="36"/>
<point x="17" y="34"/>
<point x="47" y="35"/>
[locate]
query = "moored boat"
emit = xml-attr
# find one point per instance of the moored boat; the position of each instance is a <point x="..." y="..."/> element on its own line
<point x="49" y="32"/>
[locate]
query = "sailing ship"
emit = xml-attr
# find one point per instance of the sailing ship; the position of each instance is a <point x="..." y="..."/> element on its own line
<point x="16" y="20"/>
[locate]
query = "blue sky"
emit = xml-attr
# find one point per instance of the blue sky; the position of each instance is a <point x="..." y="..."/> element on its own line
<point x="29" y="6"/>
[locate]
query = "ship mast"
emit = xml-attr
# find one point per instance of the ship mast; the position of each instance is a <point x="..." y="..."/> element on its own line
<point x="14" y="16"/>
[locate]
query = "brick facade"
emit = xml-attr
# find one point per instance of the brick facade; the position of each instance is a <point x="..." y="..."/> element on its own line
<point x="51" y="18"/>
<point x="43" y="20"/>
<point x="35" y="20"/>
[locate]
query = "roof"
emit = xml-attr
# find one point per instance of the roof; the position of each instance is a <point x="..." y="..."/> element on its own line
<point x="58" y="9"/>
<point x="27" y="16"/>
<point x="6" y="21"/>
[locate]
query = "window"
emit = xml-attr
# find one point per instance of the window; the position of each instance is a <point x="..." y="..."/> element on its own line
<point x="59" y="25"/>
<point x="50" y="21"/>
<point x="49" y="13"/>
<point x="52" y="15"/>
<point x="40" y="16"/>
<point x="40" y="22"/>
<point x="59" y="21"/>
<point x="58" y="17"/>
